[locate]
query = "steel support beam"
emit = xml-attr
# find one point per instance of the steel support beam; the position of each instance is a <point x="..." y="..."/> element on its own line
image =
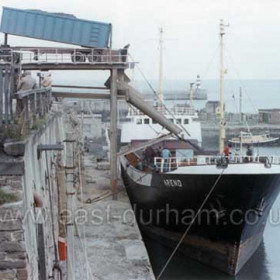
<point x="2" y="77"/>
<point x="113" y="133"/>
<point x="83" y="95"/>
<point x="83" y="87"/>
<point x="71" y="66"/>
<point x="70" y="192"/>
<point x="134" y="98"/>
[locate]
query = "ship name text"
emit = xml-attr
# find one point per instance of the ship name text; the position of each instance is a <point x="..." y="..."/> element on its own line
<point x="172" y="183"/>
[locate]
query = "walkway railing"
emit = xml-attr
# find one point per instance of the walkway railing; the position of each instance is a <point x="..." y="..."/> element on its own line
<point x="32" y="105"/>
<point x="62" y="55"/>
<point x="22" y="110"/>
<point x="172" y="163"/>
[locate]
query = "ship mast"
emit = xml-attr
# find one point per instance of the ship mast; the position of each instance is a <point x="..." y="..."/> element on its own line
<point x="191" y="95"/>
<point x="160" y="89"/>
<point x="222" y="72"/>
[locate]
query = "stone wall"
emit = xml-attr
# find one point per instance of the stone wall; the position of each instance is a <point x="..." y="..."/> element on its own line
<point x="13" y="256"/>
<point x="28" y="240"/>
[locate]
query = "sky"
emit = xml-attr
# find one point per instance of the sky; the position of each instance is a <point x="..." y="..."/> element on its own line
<point x="191" y="27"/>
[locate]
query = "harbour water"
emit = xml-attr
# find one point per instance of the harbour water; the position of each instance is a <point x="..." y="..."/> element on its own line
<point x="264" y="265"/>
<point x="256" y="94"/>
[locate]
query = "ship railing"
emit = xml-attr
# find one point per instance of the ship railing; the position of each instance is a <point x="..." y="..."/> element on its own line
<point x="174" y="111"/>
<point x="63" y="55"/>
<point x="173" y="163"/>
<point x="178" y="110"/>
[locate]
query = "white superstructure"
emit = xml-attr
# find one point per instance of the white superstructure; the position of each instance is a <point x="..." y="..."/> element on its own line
<point x="141" y="127"/>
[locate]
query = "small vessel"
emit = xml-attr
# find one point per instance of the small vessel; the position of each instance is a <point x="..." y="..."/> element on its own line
<point x="211" y="208"/>
<point x="247" y="138"/>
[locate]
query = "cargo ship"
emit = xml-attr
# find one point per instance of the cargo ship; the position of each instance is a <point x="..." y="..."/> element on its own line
<point x="212" y="208"/>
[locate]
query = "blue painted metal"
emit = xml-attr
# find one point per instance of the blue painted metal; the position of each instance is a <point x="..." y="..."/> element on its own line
<point x="55" y="27"/>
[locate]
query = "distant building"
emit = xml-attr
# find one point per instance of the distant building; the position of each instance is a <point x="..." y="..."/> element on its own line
<point x="269" y="116"/>
<point x="208" y="113"/>
<point x="211" y="107"/>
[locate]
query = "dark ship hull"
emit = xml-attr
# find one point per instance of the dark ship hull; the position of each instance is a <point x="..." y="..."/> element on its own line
<point x="229" y="227"/>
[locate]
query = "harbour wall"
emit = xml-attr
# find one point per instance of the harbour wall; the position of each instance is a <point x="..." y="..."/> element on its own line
<point x="28" y="223"/>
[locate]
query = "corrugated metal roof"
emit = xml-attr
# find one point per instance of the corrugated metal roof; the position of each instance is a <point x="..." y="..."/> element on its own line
<point x="61" y="28"/>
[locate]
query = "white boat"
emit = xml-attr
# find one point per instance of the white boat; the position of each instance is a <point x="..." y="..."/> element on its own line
<point x="246" y="138"/>
<point x="141" y="128"/>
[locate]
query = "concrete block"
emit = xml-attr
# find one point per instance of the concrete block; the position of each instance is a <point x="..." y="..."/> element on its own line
<point x="7" y="274"/>
<point x="17" y="193"/>
<point x="12" y="264"/>
<point x="103" y="165"/>
<point x="16" y="185"/>
<point x="2" y="256"/>
<point x="11" y="225"/>
<point x="14" y="148"/>
<point x="22" y="274"/>
<point x="10" y="168"/>
<point x="18" y="236"/>
<point x="11" y="211"/>
<point x="2" y="181"/>
<point x="5" y="236"/>
<point x="12" y="246"/>
<point x="16" y="256"/>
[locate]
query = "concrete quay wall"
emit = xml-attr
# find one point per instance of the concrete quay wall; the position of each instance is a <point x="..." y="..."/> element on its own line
<point x="27" y="250"/>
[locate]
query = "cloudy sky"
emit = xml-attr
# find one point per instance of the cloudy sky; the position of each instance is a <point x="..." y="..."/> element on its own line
<point x="191" y="32"/>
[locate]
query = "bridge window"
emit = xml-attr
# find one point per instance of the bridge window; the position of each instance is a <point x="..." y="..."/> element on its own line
<point x="186" y="121"/>
<point x="139" y="121"/>
<point x="179" y="121"/>
<point x="171" y="120"/>
<point x="154" y="121"/>
<point x="146" y="121"/>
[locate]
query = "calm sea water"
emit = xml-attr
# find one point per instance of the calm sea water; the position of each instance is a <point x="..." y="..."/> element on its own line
<point x="256" y="94"/>
<point x="264" y="265"/>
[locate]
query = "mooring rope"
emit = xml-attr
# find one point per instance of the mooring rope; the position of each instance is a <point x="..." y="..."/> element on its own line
<point x="190" y="225"/>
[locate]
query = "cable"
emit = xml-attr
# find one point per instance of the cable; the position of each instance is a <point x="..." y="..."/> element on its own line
<point x="132" y="108"/>
<point x="188" y="228"/>
<point x="156" y="95"/>
<point x="209" y="63"/>
<point x="240" y="81"/>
